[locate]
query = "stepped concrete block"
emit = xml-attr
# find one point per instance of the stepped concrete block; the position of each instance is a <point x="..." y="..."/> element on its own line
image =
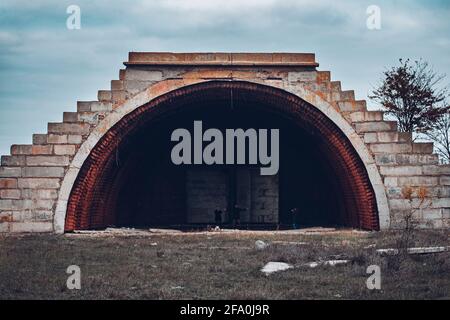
<point x="13" y="161"/>
<point x="43" y="172"/>
<point x="21" y="149"/>
<point x="361" y="116"/>
<point x="406" y="159"/>
<point x="104" y="95"/>
<point x="70" y="117"/>
<point x="436" y="170"/>
<point x="88" y="106"/>
<point x="390" y="147"/>
<point x="117" y="85"/>
<point x="375" y="126"/>
<point x="10" y="194"/>
<point x="8" y="183"/>
<point x="57" y="138"/>
<point x="10" y="172"/>
<point x="65" y="149"/>
<point x="425" y="147"/>
<point x="352" y="105"/>
<point x="39" y="139"/>
<point x="43" y="194"/>
<point x="39" y="183"/>
<point x="74" y="139"/>
<point x="401" y="170"/>
<point x="31" y="227"/>
<point x="348" y="95"/>
<point x="417" y="181"/>
<point x="444" y="180"/>
<point x="41" y="150"/>
<point x="323" y="76"/>
<point x="69" y="128"/>
<point x="143" y="75"/>
<point x="47" y="161"/>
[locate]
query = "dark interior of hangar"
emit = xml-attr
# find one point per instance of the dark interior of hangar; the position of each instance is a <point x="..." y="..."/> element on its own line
<point x="152" y="191"/>
<point x="129" y="180"/>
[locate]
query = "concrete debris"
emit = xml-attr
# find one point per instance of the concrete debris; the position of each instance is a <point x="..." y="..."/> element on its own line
<point x="428" y="250"/>
<point x="290" y="243"/>
<point x="419" y="250"/>
<point x="261" y="245"/>
<point x="164" y="231"/>
<point x="111" y="232"/>
<point x="160" y="254"/>
<point x="224" y="248"/>
<point x="177" y="288"/>
<point x="331" y="263"/>
<point x="272" y="267"/>
<point x="318" y="230"/>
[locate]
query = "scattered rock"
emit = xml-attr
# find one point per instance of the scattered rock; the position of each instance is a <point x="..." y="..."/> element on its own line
<point x="164" y="231"/>
<point x="336" y="262"/>
<point x="224" y="248"/>
<point x="317" y="230"/>
<point x="428" y="250"/>
<point x="313" y="264"/>
<point x="177" y="288"/>
<point x="272" y="267"/>
<point x="337" y="257"/>
<point x="160" y="254"/>
<point x="261" y="245"/>
<point x="331" y="263"/>
<point x="390" y="252"/>
<point x="420" y="250"/>
<point x="112" y="232"/>
<point x="294" y="243"/>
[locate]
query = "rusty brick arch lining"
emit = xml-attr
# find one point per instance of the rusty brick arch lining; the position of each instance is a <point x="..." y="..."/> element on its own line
<point x="88" y="207"/>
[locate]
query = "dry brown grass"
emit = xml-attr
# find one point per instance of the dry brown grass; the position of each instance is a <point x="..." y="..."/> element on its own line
<point x="217" y="266"/>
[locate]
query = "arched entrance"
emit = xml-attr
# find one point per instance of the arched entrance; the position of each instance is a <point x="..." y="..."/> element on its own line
<point x="320" y="169"/>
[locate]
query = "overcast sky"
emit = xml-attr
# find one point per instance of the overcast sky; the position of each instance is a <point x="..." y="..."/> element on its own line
<point x="45" y="68"/>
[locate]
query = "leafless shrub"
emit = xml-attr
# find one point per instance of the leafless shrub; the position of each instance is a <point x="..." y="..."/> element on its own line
<point x="409" y="222"/>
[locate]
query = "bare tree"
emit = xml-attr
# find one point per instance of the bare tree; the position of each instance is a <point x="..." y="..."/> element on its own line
<point x="440" y="135"/>
<point x="411" y="93"/>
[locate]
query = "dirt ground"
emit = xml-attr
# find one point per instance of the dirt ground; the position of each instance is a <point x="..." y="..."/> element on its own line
<point x="127" y="264"/>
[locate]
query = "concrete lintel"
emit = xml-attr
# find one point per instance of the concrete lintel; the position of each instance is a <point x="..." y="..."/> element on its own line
<point x="239" y="59"/>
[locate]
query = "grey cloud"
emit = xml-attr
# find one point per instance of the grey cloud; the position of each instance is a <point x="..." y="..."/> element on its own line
<point x="45" y="68"/>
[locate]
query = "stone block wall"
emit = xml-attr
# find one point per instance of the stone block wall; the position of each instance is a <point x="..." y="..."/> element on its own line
<point x="206" y="190"/>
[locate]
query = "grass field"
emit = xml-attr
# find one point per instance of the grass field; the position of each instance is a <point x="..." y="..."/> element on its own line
<point x="219" y="265"/>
